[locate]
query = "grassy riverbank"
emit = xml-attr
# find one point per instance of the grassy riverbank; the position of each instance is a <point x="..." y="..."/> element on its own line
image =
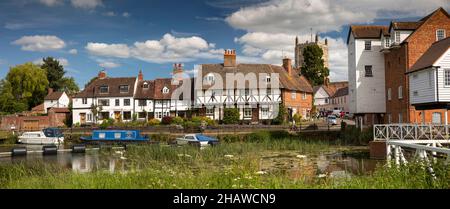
<point x="230" y="165"/>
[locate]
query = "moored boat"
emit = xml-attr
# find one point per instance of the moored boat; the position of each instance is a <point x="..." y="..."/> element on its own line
<point x="200" y="139"/>
<point x="116" y="136"/>
<point x="48" y="136"/>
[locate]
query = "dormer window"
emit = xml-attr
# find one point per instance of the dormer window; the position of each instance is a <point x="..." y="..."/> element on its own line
<point x="387" y="42"/>
<point x="440" y="34"/>
<point x="145" y="86"/>
<point x="165" y="90"/>
<point x="210" y="79"/>
<point x="123" y="88"/>
<point x="268" y="79"/>
<point x="104" y="89"/>
<point x="397" y="37"/>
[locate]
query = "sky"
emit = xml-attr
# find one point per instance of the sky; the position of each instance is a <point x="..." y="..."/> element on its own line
<point x="125" y="36"/>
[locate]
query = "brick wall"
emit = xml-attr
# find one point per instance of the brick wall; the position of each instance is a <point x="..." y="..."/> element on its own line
<point x="399" y="60"/>
<point x="298" y="103"/>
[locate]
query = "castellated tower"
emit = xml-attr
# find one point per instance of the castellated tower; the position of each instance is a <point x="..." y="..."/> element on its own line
<point x="299" y="60"/>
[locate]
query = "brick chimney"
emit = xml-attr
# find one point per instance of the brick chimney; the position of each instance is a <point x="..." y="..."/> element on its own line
<point x="177" y="68"/>
<point x="50" y="91"/>
<point x="287" y="65"/>
<point x="102" y="74"/>
<point x="229" y="58"/>
<point x="327" y="82"/>
<point x="140" y="76"/>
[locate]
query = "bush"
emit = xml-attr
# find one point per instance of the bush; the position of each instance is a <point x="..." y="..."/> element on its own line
<point x="167" y="120"/>
<point x="231" y="116"/>
<point x="106" y="123"/>
<point x="354" y="136"/>
<point x="177" y="120"/>
<point x="153" y="122"/>
<point x="297" y="118"/>
<point x="281" y="117"/>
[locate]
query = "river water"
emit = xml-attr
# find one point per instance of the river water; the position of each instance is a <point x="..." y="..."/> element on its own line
<point x="334" y="164"/>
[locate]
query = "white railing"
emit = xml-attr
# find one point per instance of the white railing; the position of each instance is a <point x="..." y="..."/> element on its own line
<point x="407" y="131"/>
<point x="429" y="141"/>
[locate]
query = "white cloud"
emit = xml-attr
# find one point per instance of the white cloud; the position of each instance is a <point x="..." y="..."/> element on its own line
<point x="51" y="3"/>
<point x="108" y="64"/>
<point x="63" y="61"/>
<point x="108" y="50"/>
<point x="110" y="14"/>
<point x="86" y="4"/>
<point x="298" y="16"/>
<point x="126" y="14"/>
<point x="73" y="51"/>
<point x="167" y="49"/>
<point x="40" y="43"/>
<point x="263" y="44"/>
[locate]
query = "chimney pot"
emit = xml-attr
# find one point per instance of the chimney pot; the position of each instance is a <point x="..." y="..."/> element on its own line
<point x="287" y="65"/>
<point x="140" y="76"/>
<point x="102" y="74"/>
<point x="229" y="58"/>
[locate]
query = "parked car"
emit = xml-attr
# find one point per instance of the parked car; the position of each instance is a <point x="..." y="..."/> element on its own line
<point x="332" y="120"/>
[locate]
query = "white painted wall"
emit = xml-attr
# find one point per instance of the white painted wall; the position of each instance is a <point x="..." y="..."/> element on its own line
<point x="63" y="101"/>
<point x="367" y="94"/>
<point x="422" y="82"/>
<point x="320" y="97"/>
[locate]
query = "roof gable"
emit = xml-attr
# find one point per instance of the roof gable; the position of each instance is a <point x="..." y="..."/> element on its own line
<point x="427" y="18"/>
<point x="432" y="55"/>
<point x="366" y="31"/>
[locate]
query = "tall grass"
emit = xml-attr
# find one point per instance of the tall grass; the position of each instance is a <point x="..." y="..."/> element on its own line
<point x="229" y="165"/>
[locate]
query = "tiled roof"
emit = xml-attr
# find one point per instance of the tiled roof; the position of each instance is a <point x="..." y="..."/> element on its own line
<point x="38" y="108"/>
<point x="341" y="92"/>
<point x="333" y="87"/>
<point x="93" y="90"/>
<point x="145" y="93"/>
<point x="405" y="25"/>
<point x="366" y="31"/>
<point x="431" y="55"/>
<point x="290" y="82"/>
<point x="160" y="83"/>
<point x="59" y="110"/>
<point x="54" y="95"/>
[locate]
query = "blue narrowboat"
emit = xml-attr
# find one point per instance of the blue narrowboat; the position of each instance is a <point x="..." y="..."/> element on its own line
<point x="116" y="136"/>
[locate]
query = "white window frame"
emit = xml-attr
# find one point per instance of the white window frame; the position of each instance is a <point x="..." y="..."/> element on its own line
<point x="265" y="111"/>
<point x="127" y="87"/>
<point x="104" y="87"/>
<point x="400" y="92"/>
<point x="368" y="45"/>
<point x="387" y="42"/>
<point x="247" y="111"/>
<point x="165" y="90"/>
<point x="443" y="34"/>
<point x="268" y="79"/>
<point x="125" y="103"/>
<point x="210" y="111"/>
<point x="397" y="37"/>
<point x="304" y="96"/>
<point x="84" y="100"/>
<point x="447" y="77"/>
<point x="293" y="94"/>
<point x="433" y="118"/>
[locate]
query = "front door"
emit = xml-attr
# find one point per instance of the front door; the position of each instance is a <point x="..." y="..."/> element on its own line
<point x="117" y="116"/>
<point x="82" y="118"/>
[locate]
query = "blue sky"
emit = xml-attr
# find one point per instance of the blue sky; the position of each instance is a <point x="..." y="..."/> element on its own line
<point x="124" y="36"/>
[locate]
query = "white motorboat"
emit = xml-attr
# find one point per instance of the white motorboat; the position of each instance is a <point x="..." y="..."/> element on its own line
<point x="197" y="138"/>
<point x="47" y="136"/>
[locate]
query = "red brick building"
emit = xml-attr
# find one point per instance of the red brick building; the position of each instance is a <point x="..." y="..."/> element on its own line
<point x="408" y="42"/>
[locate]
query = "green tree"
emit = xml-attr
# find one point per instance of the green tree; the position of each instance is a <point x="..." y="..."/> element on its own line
<point x="231" y="116"/>
<point x="28" y="84"/>
<point x="313" y="68"/>
<point x="55" y="72"/>
<point x="69" y="85"/>
<point x="281" y="117"/>
<point x="9" y="104"/>
<point x="95" y="109"/>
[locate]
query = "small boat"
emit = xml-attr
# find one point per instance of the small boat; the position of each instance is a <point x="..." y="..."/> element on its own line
<point x="48" y="136"/>
<point x="116" y="136"/>
<point x="200" y="139"/>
